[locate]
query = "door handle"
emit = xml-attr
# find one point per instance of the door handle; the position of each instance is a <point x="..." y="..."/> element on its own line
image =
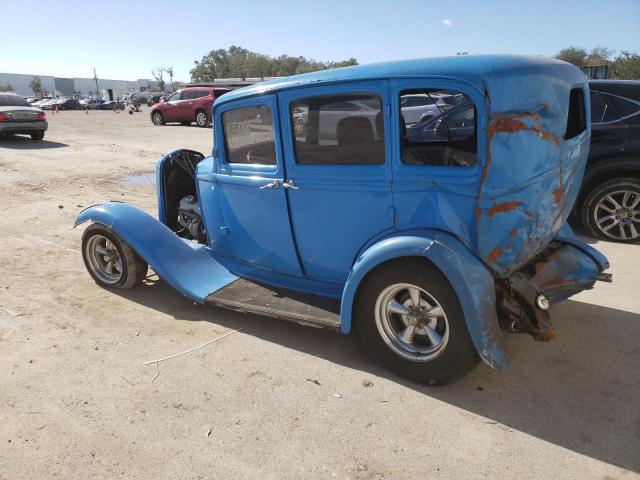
<point x="275" y="184"/>
<point x="290" y="184"/>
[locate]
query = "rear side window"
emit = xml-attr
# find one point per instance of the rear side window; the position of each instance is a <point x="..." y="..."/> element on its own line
<point x="340" y="129"/>
<point x="576" y="118"/>
<point x="248" y="135"/>
<point x="598" y="107"/>
<point x="622" y="106"/>
<point x="439" y="132"/>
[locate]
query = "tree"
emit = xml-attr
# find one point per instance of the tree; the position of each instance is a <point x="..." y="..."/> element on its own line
<point x="158" y="74"/>
<point x="626" y="66"/>
<point x="238" y="62"/>
<point x="6" y="88"/>
<point x="573" y="55"/>
<point x="600" y="56"/>
<point x="169" y="71"/>
<point x="36" y="85"/>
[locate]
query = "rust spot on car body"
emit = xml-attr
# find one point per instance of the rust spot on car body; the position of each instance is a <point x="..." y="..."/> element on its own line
<point x="557" y="194"/>
<point x="515" y="123"/>
<point x="494" y="254"/>
<point x="513" y="233"/>
<point x="503" y="207"/>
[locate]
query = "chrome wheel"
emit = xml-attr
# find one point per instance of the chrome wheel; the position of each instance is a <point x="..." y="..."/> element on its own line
<point x="103" y="259"/>
<point x="617" y="215"/>
<point x="201" y="119"/>
<point x="157" y="118"/>
<point x="411" y="322"/>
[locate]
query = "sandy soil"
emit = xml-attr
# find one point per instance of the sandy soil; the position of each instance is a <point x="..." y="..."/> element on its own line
<point x="77" y="401"/>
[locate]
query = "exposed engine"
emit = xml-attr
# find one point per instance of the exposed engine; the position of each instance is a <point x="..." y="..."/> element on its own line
<point x="190" y="218"/>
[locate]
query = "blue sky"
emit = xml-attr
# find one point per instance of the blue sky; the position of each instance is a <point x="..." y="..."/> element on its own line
<point x="126" y="39"/>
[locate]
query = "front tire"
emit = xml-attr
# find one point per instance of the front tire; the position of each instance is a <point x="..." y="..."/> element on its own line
<point x="157" y="119"/>
<point x="110" y="261"/>
<point x="202" y="120"/>
<point x="611" y="211"/>
<point x="410" y="319"/>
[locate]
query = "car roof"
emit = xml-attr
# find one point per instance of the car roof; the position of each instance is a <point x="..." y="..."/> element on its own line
<point x="478" y="70"/>
<point x="623" y="88"/>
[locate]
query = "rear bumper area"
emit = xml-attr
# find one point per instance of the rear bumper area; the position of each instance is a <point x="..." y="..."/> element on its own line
<point x="22" y="127"/>
<point x="566" y="267"/>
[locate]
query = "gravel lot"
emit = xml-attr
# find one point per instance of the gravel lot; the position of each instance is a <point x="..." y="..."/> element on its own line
<point x="76" y="400"/>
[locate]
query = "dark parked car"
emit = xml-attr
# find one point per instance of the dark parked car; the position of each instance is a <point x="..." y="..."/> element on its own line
<point x="111" y="105"/>
<point x="609" y="202"/>
<point x="68" y="104"/>
<point x="18" y="116"/>
<point x="192" y="104"/>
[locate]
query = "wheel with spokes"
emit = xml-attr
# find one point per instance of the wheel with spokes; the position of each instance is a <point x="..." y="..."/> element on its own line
<point x="611" y="211"/>
<point x="157" y="119"/>
<point x="202" y="120"/>
<point x="410" y="319"/>
<point x="110" y="261"/>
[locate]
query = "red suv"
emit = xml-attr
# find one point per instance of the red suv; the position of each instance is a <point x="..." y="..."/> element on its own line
<point x="187" y="105"/>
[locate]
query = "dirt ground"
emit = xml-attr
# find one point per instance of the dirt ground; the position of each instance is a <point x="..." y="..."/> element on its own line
<point x="77" y="401"/>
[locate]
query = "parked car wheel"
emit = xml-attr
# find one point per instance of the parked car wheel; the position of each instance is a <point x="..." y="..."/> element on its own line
<point x="410" y="319"/>
<point x="202" y="120"/>
<point x="111" y="262"/>
<point x="611" y="211"/>
<point x="37" y="136"/>
<point x="157" y="119"/>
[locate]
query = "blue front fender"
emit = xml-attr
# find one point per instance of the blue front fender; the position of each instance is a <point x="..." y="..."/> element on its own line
<point x="187" y="266"/>
<point x="469" y="277"/>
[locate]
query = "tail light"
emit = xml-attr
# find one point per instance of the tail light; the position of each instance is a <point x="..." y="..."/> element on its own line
<point x="3" y="117"/>
<point x="41" y="116"/>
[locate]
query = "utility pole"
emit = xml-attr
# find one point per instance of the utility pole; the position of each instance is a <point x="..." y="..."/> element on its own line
<point x="95" y="77"/>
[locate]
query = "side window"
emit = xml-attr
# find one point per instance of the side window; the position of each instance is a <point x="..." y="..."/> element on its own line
<point x="338" y="129"/>
<point x="598" y="107"/>
<point x="202" y="93"/>
<point x="622" y="106"/>
<point x="441" y="131"/>
<point x="189" y="95"/>
<point x="248" y="135"/>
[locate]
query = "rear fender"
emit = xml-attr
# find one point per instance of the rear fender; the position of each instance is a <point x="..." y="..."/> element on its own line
<point x="187" y="266"/>
<point x="470" y="278"/>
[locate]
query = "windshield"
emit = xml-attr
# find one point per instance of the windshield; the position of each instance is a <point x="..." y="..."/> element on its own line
<point x="13" y="101"/>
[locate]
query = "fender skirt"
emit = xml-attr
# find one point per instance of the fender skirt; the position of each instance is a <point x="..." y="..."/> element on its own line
<point x="187" y="266"/>
<point x="469" y="277"/>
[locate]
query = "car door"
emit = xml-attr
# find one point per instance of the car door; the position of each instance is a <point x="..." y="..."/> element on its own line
<point x="249" y="175"/>
<point x="338" y="179"/>
<point x="171" y="108"/>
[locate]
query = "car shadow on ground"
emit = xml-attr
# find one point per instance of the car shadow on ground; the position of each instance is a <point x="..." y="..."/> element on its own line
<point x="20" y="142"/>
<point x="579" y="392"/>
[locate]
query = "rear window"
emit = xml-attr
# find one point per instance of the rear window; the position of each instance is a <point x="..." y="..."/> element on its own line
<point x="576" y="119"/>
<point x="13" y="101"/>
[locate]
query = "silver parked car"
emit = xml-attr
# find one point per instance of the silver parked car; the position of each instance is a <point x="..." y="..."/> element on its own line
<point x="17" y="116"/>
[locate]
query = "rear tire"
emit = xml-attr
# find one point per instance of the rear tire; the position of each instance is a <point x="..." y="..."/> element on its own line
<point x="611" y="211"/>
<point x="202" y="119"/>
<point x="110" y="261"/>
<point x="437" y="349"/>
<point x="37" y="136"/>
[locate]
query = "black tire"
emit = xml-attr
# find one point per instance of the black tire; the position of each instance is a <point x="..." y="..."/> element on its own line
<point x="202" y="119"/>
<point x="134" y="268"/>
<point x="37" y="136"/>
<point x="592" y="209"/>
<point x="157" y="119"/>
<point x="457" y="357"/>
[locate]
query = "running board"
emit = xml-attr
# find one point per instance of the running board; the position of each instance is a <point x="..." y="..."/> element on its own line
<point x="247" y="296"/>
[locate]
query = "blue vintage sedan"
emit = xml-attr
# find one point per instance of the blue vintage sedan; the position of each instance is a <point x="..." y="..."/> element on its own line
<point x="433" y="244"/>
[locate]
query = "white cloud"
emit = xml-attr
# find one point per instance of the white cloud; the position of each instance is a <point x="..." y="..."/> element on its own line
<point x="447" y="23"/>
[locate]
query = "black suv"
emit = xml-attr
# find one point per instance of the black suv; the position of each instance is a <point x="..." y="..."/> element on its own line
<point x="609" y="201"/>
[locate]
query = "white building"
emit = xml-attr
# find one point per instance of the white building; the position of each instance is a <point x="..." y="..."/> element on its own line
<point x="110" y="89"/>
